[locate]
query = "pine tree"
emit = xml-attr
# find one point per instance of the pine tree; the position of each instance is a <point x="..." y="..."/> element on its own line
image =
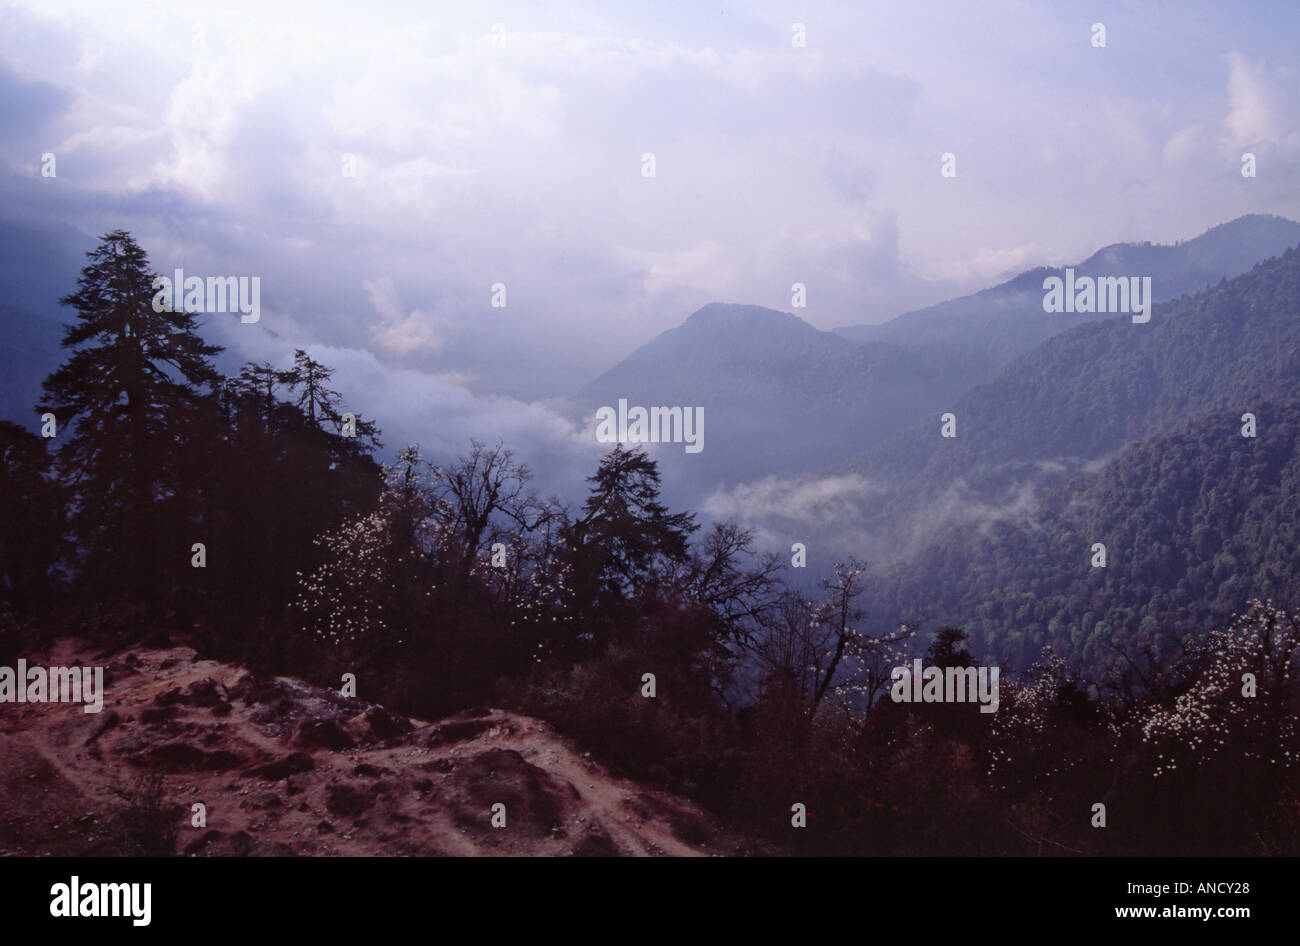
<point x="625" y="533"/>
<point x="132" y="384"/>
<point x="319" y="404"/>
<point x="257" y="385"/>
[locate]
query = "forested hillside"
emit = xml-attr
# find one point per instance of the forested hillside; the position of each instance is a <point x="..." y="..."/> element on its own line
<point x="1194" y="524"/>
<point x="1087" y="392"/>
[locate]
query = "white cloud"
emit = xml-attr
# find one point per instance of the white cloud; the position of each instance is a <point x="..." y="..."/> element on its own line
<point x="1256" y="104"/>
<point x="521" y="163"/>
<point x="398" y="333"/>
<point x="988" y="266"/>
<point x="812" y="509"/>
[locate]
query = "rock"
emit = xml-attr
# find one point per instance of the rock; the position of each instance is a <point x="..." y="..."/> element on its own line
<point x="223" y="759"/>
<point x="153" y="715"/>
<point x="322" y="734"/>
<point x="385" y="725"/>
<point x="109" y="721"/>
<point x="182" y="757"/>
<point x="347" y="801"/>
<point x="454" y="730"/>
<point x="259" y="691"/>
<point x="120" y="669"/>
<point x="198" y="844"/>
<point x="279" y="711"/>
<point x="171" y="697"/>
<point x="596" y="844"/>
<point x="291" y="764"/>
<point x="205" y="693"/>
<point x="534" y="800"/>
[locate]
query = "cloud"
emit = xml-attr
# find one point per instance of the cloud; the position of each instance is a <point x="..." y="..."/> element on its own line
<point x="27" y="105"/>
<point x="989" y="265"/>
<point x="478" y="163"/>
<point x="400" y="334"/>
<point x="443" y="416"/>
<point x="217" y="134"/>
<point x="1258" y="106"/>
<point x="826" y="513"/>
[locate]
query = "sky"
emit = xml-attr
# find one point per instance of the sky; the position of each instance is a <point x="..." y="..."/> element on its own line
<point x="505" y="143"/>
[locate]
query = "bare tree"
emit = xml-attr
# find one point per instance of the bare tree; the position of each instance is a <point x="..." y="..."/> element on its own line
<point x="480" y="490"/>
<point x="820" y="648"/>
<point x="738" y="589"/>
<point x="786" y="646"/>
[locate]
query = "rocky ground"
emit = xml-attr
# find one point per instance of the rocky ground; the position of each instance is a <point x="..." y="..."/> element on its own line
<point x="285" y="768"/>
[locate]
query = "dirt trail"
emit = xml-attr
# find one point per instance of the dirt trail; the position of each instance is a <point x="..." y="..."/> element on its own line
<point x="285" y="768"/>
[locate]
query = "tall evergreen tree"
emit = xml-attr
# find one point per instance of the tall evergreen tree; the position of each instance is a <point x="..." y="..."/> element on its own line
<point x="625" y="534"/>
<point x="257" y="384"/>
<point x="133" y="381"/>
<point x="319" y="404"/>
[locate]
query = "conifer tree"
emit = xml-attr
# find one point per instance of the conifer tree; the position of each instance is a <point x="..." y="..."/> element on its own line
<point x="319" y="403"/>
<point x="625" y="534"/>
<point x="133" y="381"/>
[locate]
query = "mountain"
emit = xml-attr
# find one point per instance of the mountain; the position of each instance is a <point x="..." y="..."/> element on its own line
<point x="1195" y="524"/>
<point x="286" y="768"/>
<point x="1087" y="392"/>
<point x="782" y="397"/>
<point x="778" y="394"/>
<point x="1114" y="432"/>
<point x="982" y="332"/>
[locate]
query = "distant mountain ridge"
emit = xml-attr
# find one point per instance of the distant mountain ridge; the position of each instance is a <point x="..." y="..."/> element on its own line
<point x="986" y="330"/>
<point x="777" y="393"/>
<point x="1089" y="391"/>
<point x="782" y="396"/>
